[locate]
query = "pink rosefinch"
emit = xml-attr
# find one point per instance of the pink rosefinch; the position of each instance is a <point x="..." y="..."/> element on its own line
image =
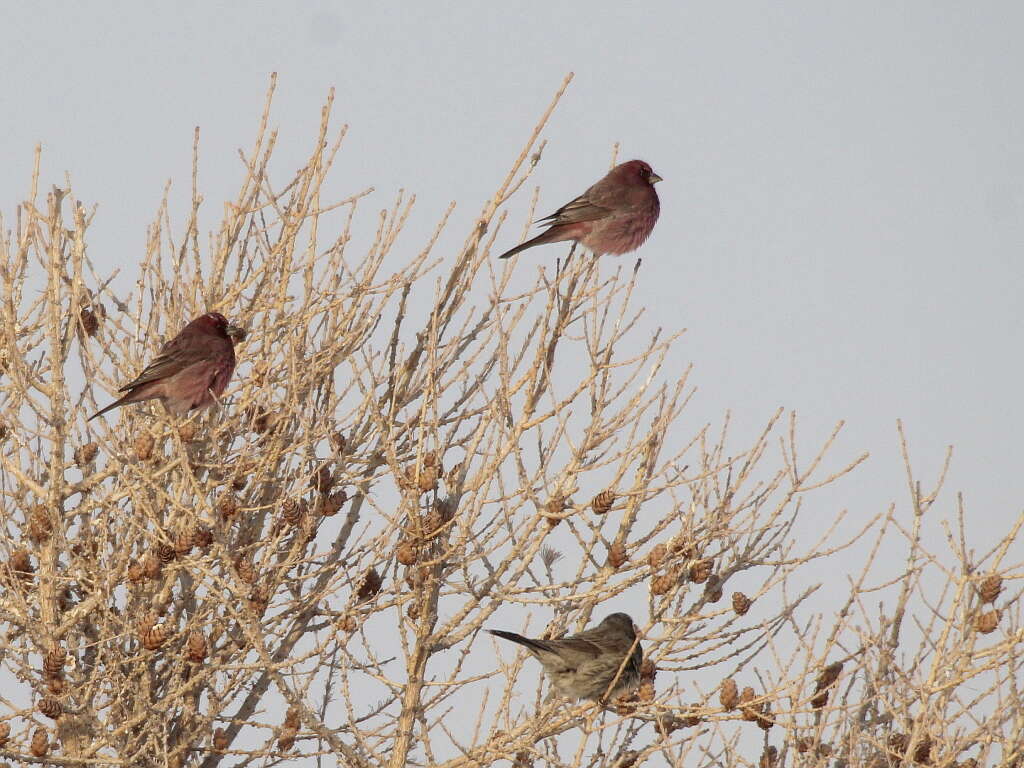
<point x="192" y="369"/>
<point x="614" y="216"/>
<point x="589" y="665"/>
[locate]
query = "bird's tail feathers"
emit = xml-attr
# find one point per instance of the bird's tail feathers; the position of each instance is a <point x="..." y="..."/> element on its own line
<point x="136" y="395"/>
<point x="119" y="402"/>
<point x="513" y="251"/>
<point x="533" y="645"/>
<point x="543" y="237"/>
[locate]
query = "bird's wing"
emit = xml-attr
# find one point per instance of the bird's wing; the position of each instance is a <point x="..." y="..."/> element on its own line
<point x="581" y="645"/>
<point x="583" y="208"/>
<point x="173" y="358"/>
<point x="606" y="641"/>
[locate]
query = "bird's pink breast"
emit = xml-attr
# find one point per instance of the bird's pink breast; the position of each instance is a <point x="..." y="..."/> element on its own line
<point x="622" y="234"/>
<point x="197" y="386"/>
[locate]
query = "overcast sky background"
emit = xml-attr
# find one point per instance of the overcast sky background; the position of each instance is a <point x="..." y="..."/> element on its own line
<point x="842" y="212"/>
<point x="843" y="205"/>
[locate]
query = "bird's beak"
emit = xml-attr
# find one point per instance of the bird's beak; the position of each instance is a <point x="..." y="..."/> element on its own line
<point x="655" y="178"/>
<point x="236" y="333"/>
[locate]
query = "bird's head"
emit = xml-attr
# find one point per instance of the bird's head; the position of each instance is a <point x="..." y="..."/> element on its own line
<point x="638" y="172"/>
<point x="620" y="621"/>
<point x="215" y="323"/>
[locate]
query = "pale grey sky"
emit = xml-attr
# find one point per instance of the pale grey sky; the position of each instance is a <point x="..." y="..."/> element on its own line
<point x="843" y="205"/>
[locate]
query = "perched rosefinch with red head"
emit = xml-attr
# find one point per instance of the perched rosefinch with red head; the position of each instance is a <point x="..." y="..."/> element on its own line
<point x="598" y="663"/>
<point x="614" y="216"/>
<point x="192" y="369"/>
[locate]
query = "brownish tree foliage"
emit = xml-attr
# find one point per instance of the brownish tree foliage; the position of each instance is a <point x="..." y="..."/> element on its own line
<point x="416" y="439"/>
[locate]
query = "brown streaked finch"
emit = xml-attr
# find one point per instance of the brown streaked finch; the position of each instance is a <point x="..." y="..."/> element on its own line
<point x="599" y="663"/>
<point x="614" y="216"/>
<point x="192" y="370"/>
